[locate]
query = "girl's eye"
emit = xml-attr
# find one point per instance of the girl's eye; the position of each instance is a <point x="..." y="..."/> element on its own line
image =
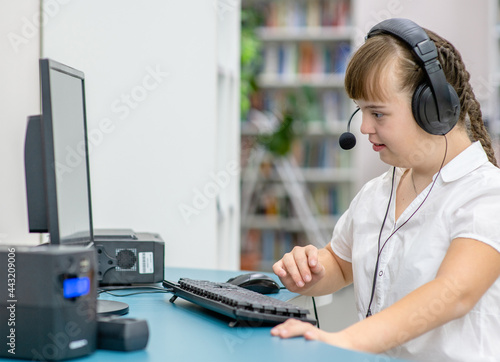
<point x="377" y="115"/>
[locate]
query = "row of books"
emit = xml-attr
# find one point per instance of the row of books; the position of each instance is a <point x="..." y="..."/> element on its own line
<point x="323" y="152"/>
<point x="331" y="106"/>
<point x="273" y="201"/>
<point x="262" y="248"/>
<point x="310" y="13"/>
<point x="291" y="58"/>
<point x="329" y="200"/>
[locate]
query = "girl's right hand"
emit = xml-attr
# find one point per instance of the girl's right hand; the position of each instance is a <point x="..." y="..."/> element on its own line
<point x="300" y="269"/>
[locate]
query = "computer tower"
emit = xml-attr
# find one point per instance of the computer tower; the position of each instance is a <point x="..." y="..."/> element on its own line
<point x="126" y="257"/>
<point x="47" y="302"/>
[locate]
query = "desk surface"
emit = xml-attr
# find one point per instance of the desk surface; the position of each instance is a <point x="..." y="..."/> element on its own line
<point x="182" y="331"/>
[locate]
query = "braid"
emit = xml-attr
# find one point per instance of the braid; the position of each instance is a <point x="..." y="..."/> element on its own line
<point x="459" y="78"/>
<point x="478" y="129"/>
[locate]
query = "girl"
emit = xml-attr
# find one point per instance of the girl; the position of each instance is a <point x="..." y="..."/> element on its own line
<point x="420" y="243"/>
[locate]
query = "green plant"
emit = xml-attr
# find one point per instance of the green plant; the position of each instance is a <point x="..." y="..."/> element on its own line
<point x="300" y="106"/>
<point x="251" y="57"/>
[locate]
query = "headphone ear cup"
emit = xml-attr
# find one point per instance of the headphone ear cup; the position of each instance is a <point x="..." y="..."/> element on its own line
<point x="423" y="107"/>
<point x="426" y="113"/>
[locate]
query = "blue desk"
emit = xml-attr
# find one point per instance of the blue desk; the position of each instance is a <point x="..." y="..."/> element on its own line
<point x="182" y="331"/>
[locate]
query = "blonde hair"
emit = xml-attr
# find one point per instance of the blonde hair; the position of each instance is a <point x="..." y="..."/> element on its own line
<point x="380" y="52"/>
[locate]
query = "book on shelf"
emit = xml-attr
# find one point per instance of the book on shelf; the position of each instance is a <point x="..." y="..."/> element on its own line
<point x="251" y="253"/>
<point x="335" y="106"/>
<point x="268" y="246"/>
<point x="322" y="153"/>
<point x="273" y="245"/>
<point x="310" y="13"/>
<point x="289" y="59"/>
<point x="330" y="107"/>
<point x="274" y="206"/>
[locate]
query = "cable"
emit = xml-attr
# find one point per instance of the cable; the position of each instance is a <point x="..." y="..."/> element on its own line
<point x="150" y="290"/>
<point x="124" y="287"/>
<point x="136" y="293"/>
<point x="369" y="312"/>
<point x="314" y="308"/>
<point x="315" y="313"/>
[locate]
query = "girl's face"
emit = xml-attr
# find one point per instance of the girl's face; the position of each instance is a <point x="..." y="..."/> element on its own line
<point x="391" y="127"/>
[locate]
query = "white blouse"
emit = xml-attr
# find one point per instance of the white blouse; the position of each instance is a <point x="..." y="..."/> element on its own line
<point x="463" y="203"/>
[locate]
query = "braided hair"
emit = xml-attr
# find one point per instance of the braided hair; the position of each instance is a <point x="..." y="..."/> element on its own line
<point x="381" y="51"/>
<point x="459" y="78"/>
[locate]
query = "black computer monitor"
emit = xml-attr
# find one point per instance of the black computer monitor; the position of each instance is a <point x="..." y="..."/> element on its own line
<point x="57" y="164"/>
<point x="57" y="160"/>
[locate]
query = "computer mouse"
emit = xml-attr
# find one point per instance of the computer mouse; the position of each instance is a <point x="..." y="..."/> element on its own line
<point x="257" y="282"/>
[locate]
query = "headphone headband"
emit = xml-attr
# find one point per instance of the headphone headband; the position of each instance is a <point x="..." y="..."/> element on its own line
<point x="444" y="96"/>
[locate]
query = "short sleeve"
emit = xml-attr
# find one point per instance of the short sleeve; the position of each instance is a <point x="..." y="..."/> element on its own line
<point x="342" y="237"/>
<point x="479" y="218"/>
<point x="343" y="234"/>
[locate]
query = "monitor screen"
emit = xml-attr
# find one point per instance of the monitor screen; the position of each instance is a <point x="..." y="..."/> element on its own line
<point x="56" y="162"/>
<point x="65" y="151"/>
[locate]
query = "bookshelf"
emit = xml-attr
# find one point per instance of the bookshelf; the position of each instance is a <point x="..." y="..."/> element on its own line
<point x="305" y="47"/>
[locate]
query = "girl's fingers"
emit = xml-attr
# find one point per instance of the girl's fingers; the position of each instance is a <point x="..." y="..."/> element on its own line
<point x="295" y="328"/>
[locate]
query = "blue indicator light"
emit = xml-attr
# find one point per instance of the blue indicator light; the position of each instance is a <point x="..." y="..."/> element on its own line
<point x="76" y="287"/>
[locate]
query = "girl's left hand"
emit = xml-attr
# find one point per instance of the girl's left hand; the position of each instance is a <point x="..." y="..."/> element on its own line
<point x="295" y="328"/>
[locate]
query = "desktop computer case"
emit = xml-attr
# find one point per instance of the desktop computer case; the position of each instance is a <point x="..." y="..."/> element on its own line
<point x="127" y="258"/>
<point x="37" y="321"/>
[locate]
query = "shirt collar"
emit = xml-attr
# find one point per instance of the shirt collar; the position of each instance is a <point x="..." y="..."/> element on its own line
<point x="465" y="162"/>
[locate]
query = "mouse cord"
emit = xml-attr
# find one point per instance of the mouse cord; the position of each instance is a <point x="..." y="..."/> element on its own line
<point x="314" y="308"/>
<point x="315" y="313"/>
<point x="145" y="290"/>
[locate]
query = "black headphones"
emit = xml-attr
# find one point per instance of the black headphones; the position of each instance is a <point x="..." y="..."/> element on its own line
<point x="435" y="103"/>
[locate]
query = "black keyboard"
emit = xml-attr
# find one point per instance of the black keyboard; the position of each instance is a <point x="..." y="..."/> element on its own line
<point x="240" y="304"/>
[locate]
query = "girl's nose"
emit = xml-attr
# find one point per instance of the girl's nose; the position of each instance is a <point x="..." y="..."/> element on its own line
<point x="366" y="125"/>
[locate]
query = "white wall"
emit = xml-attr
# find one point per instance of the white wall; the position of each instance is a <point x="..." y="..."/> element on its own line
<point x="228" y="131"/>
<point x="150" y="72"/>
<point x="19" y="97"/>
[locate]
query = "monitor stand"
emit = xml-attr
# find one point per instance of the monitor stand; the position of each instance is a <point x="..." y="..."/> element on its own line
<point x="111" y="307"/>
